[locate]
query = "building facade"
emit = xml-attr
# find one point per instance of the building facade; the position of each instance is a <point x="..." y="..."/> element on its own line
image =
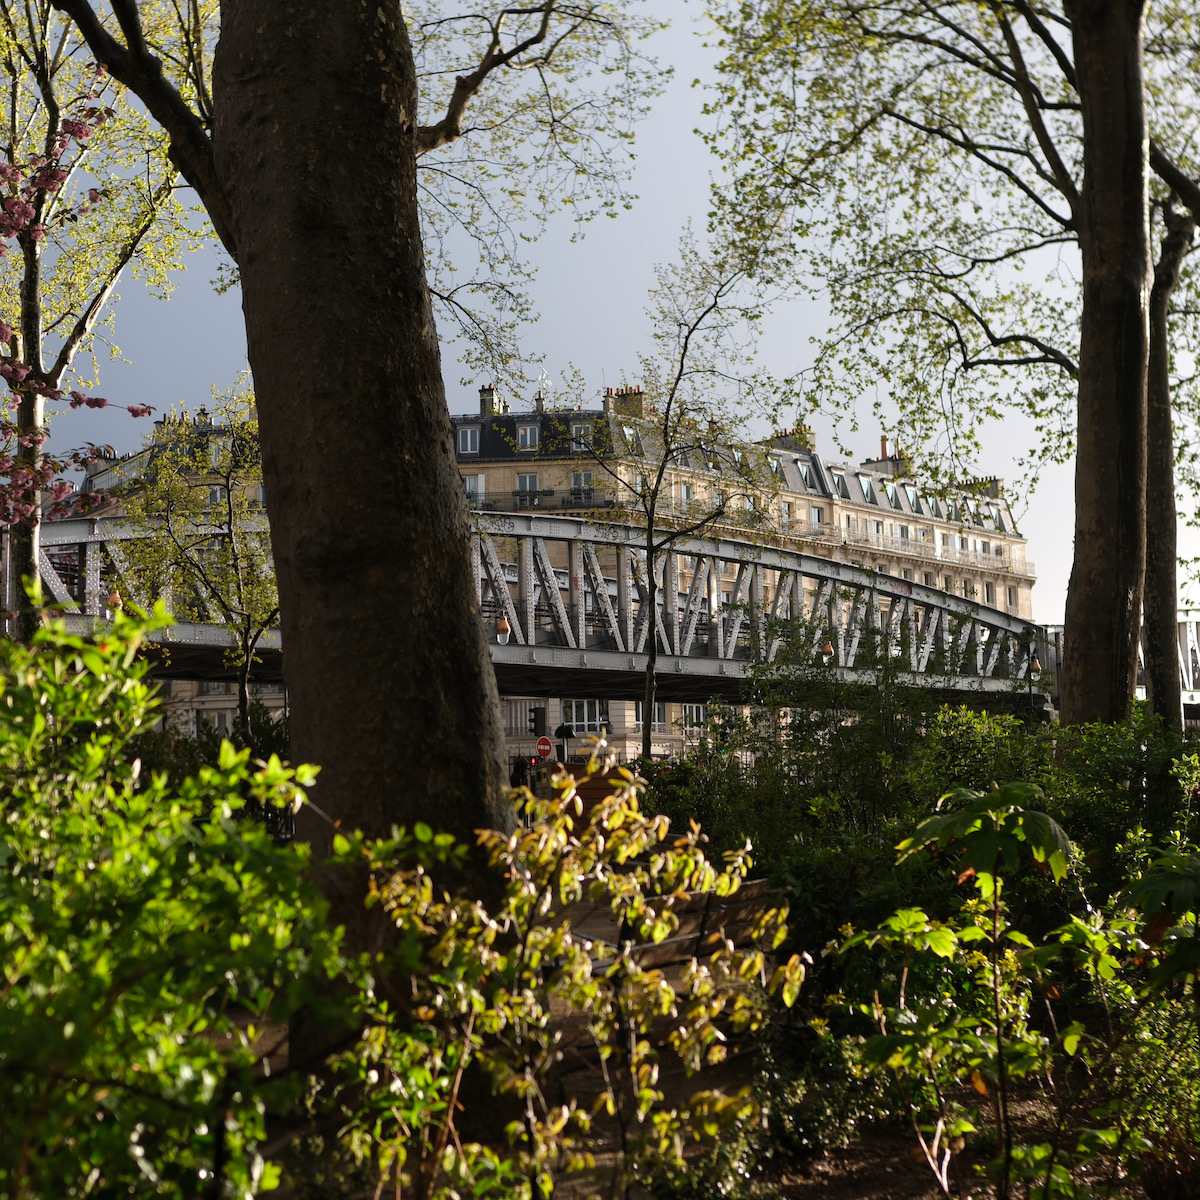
<point x="596" y="463"/>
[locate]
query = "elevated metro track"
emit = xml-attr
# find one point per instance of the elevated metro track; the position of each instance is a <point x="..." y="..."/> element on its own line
<point x="566" y="604"/>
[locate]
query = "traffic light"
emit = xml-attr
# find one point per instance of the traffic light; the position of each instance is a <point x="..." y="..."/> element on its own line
<point x="537" y="720"/>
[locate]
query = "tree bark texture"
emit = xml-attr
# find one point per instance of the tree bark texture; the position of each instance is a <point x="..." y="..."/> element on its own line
<point x="392" y="690"/>
<point x="1104" y="599"/>
<point x="1160" y="627"/>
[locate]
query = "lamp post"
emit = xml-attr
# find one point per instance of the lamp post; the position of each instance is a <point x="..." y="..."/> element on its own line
<point x="503" y="630"/>
<point x="1034" y="672"/>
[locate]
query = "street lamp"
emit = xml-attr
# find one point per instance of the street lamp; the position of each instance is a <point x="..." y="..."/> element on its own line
<point x="1035" y="671"/>
<point x="503" y="630"/>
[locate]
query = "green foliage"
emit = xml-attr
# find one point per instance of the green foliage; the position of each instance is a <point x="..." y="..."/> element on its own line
<point x="195" y="497"/>
<point x="153" y="941"/>
<point x="1119" y="1064"/>
<point x="518" y="991"/>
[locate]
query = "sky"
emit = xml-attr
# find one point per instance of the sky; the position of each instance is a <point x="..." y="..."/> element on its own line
<point x="591" y="294"/>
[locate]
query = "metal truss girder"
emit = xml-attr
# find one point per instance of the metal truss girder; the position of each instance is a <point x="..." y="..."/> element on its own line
<point x="603" y="600"/>
<point x="550" y="592"/>
<point x="738" y="601"/>
<point x="697" y="593"/>
<point x="499" y="587"/>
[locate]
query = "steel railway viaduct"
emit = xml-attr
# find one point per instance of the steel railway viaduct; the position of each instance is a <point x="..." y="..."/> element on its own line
<point x="565" y="602"/>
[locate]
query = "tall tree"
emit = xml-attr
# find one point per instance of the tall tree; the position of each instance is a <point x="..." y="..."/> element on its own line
<point x="308" y="168"/>
<point x="195" y="494"/>
<point x="686" y="463"/>
<point x="943" y="149"/>
<point x="88" y="192"/>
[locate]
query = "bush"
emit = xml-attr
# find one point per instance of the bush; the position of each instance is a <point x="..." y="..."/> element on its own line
<point x="150" y="938"/>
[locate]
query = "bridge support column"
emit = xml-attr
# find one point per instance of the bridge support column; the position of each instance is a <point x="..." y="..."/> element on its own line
<point x="670" y="595"/>
<point x="526" y="589"/>
<point x="92" y="602"/>
<point x="577" y="593"/>
<point x="625" y="595"/>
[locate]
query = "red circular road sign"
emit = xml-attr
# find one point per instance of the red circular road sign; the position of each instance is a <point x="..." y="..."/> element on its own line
<point x="544" y="747"/>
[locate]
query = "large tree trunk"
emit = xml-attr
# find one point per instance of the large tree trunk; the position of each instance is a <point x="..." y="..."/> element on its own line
<point x="1160" y="629"/>
<point x="392" y="691"/>
<point x="1105" y="595"/>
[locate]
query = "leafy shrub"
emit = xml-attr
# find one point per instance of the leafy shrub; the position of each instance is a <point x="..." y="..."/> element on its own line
<point x="150" y="939"/>
<point x="155" y="944"/>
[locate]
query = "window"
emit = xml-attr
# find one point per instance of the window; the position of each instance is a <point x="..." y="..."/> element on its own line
<point x="839" y="485"/>
<point x="948" y="584"/>
<point x="695" y="716"/>
<point x="925" y="535"/>
<point x="776" y="468"/>
<point x="750" y="504"/>
<point x="737" y="457"/>
<point x="906" y="574"/>
<point x="719" y="497"/>
<point x="967" y="590"/>
<point x="473" y="485"/>
<point x="527" y="437"/>
<point x="985" y="547"/>
<point x="633" y="439"/>
<point x="878" y="530"/>
<point x="216" y="721"/>
<point x="214" y="687"/>
<point x="945" y="541"/>
<point x="805" y="473"/>
<point x="964" y="543"/>
<point x="785" y="511"/>
<point x="659" y="724"/>
<point x="526" y="495"/>
<point x="581" y="436"/>
<point x="818" y="515"/>
<point x="1012" y="597"/>
<point x="218" y="494"/>
<point x="902" y="532"/>
<point x="581" y="487"/>
<point x="989" y="594"/>
<point x="914" y="502"/>
<point x="849" y="522"/>
<point x="468" y="440"/>
<point x="585" y="716"/>
<point x="685" y="493"/>
<point x="930" y="579"/>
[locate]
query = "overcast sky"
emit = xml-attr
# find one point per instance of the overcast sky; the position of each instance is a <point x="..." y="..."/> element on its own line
<point x="591" y="294"/>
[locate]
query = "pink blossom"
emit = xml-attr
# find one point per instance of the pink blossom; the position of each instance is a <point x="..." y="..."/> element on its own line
<point x="140" y="410"/>
<point x="5" y="331"/>
<point x="77" y="399"/>
<point x="94" y="195"/>
<point x="95" y="402"/>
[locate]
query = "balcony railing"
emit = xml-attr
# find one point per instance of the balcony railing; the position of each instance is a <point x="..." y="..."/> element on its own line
<point x="542" y="500"/>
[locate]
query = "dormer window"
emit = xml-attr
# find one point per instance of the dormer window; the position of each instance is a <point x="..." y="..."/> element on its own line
<point x="581" y="436"/>
<point x="632" y="439"/>
<point x="468" y="440"/>
<point x="527" y="437"/>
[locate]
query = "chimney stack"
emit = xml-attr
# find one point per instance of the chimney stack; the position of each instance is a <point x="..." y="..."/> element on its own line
<point x="487" y="400"/>
<point x="883" y="446"/>
<point x="539" y="400"/>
